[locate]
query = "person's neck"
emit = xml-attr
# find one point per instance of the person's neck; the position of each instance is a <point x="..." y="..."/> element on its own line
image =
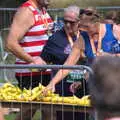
<point x="35" y="4"/>
<point x="71" y="34"/>
<point x="109" y="21"/>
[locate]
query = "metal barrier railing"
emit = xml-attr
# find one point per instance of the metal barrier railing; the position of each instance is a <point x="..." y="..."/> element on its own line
<point x="6" y="67"/>
<point x="6" y="14"/>
<point x="12" y="66"/>
<point x="53" y="102"/>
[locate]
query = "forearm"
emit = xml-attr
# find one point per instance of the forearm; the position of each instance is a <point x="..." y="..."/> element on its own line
<point x="72" y="60"/>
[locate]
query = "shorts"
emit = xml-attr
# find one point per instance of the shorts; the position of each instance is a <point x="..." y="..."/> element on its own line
<point x="33" y="81"/>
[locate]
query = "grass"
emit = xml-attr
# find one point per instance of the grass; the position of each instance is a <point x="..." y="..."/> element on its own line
<point x="12" y="116"/>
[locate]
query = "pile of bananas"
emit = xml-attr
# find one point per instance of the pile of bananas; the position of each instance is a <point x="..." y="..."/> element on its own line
<point x="9" y="92"/>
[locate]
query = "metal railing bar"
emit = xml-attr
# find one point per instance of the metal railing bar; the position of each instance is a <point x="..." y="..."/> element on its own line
<point x="14" y="66"/>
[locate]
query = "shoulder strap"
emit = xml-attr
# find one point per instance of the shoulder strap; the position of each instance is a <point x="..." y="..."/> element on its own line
<point x="93" y="46"/>
<point x="82" y="46"/>
<point x="100" y="38"/>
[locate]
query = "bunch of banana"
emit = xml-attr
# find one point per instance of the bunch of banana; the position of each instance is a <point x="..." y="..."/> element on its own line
<point x="11" y="92"/>
<point x="85" y="101"/>
<point x="31" y="94"/>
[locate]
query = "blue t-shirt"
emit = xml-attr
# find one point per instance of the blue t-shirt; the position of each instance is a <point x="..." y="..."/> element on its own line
<point x="57" y="48"/>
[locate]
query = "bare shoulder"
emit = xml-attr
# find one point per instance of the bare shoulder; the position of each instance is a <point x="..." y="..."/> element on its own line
<point x="24" y="14"/>
<point x="116" y="27"/>
<point x="116" y="31"/>
<point x="102" y="29"/>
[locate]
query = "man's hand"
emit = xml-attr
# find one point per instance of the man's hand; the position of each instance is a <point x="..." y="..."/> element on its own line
<point x="38" y="61"/>
<point x="49" y="87"/>
<point x="74" y="86"/>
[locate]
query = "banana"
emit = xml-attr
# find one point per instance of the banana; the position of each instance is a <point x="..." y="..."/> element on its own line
<point x="35" y="90"/>
<point x="9" y="92"/>
<point x="41" y="87"/>
<point x="6" y="85"/>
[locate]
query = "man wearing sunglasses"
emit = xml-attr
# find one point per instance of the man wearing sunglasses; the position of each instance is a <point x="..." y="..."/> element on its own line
<point x="60" y="44"/>
<point x="59" y="47"/>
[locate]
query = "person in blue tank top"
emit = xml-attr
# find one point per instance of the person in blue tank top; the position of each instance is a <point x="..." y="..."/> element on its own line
<point x="101" y="39"/>
<point x="89" y="44"/>
<point x="109" y="44"/>
<point x="109" y="39"/>
<point x="90" y="36"/>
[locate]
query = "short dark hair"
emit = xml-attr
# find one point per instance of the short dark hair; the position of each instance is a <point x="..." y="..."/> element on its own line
<point x="105" y="86"/>
<point x="111" y="15"/>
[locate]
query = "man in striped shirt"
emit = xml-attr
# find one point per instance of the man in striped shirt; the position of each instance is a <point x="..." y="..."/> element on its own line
<point x="28" y="34"/>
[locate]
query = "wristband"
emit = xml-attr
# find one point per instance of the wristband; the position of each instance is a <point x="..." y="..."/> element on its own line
<point x="100" y="50"/>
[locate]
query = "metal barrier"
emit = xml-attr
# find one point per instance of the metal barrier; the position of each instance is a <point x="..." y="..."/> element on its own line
<point x="6" y="14"/>
<point x="52" y="105"/>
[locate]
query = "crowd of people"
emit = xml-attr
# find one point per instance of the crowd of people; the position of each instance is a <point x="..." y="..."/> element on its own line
<point x="83" y="37"/>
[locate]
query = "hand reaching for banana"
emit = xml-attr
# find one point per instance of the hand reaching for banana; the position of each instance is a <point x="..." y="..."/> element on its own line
<point x="49" y="87"/>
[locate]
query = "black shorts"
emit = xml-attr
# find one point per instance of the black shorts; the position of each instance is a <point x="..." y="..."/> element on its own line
<point x="32" y="81"/>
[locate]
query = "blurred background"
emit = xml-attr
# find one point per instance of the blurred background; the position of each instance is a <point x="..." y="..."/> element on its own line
<point x="64" y="3"/>
<point x="8" y="8"/>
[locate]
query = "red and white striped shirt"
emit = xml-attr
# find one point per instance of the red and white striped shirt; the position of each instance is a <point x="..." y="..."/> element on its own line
<point x="35" y="39"/>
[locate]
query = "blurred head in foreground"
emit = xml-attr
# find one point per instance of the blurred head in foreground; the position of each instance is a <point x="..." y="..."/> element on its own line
<point x="105" y="87"/>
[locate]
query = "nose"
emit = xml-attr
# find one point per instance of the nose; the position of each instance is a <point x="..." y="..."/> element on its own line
<point x="68" y="24"/>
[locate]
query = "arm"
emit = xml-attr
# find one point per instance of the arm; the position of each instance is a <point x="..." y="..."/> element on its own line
<point x="22" y="22"/>
<point x="116" y="32"/>
<point x="102" y="31"/>
<point x="71" y="60"/>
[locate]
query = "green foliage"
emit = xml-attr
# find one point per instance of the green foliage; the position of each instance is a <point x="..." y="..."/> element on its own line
<point x="65" y="3"/>
<point x="83" y="3"/>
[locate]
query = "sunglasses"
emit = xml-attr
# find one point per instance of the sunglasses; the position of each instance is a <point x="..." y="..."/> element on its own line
<point x="90" y="13"/>
<point x="70" y="22"/>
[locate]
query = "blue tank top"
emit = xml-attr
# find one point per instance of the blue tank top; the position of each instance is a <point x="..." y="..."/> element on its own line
<point x="108" y="40"/>
<point x="88" y="48"/>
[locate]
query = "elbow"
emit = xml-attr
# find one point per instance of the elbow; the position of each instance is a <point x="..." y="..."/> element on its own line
<point x="8" y="46"/>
